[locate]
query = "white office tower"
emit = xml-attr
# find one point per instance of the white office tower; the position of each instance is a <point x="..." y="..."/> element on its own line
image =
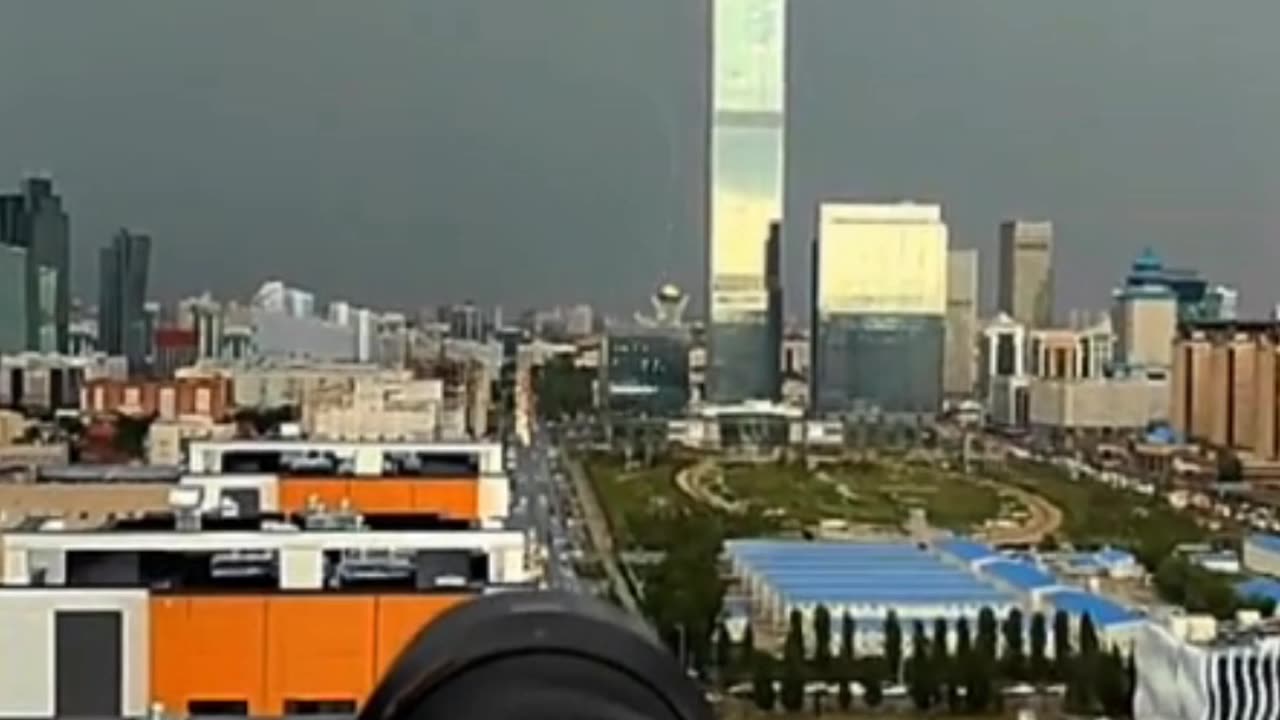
<point x="748" y="113"/>
<point x="1214" y="676"/>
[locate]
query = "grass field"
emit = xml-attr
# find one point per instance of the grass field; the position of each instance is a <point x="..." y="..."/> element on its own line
<point x="1097" y="514"/>
<point x="780" y="497"/>
<point x="865" y="493"/>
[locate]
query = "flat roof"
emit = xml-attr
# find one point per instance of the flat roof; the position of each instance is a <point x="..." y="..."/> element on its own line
<point x="313" y="540"/>
<point x="1271" y="543"/>
<point x="901" y="573"/>
<point x="1104" y="612"/>
<point x="1019" y="574"/>
<point x="966" y="550"/>
<point x="290" y="444"/>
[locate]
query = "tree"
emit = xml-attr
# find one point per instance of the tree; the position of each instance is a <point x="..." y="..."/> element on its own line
<point x="822" y="643"/>
<point x="1230" y="469"/>
<point x="1130" y="679"/>
<point x="130" y="437"/>
<point x="920" y="676"/>
<point x="941" y="657"/>
<point x="746" y="649"/>
<point x="1014" y="660"/>
<point x="963" y="658"/>
<point x="793" y="665"/>
<point x="872" y="680"/>
<point x="893" y="647"/>
<point x="1083" y="675"/>
<point x="724" y="660"/>
<point x="986" y="642"/>
<point x="762" y="682"/>
<point x="845" y="666"/>
<point x="1049" y="543"/>
<point x="1061" y="646"/>
<point x="1112" y="684"/>
<point x="1038" y="667"/>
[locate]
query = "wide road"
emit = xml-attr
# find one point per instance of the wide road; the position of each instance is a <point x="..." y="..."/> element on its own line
<point x="540" y="505"/>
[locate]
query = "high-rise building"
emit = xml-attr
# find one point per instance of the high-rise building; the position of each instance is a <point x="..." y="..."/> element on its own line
<point x="1225" y="385"/>
<point x="960" y="361"/>
<point x="1145" y="317"/>
<point x="35" y="221"/>
<point x="122" y="296"/>
<point x="879" y="299"/>
<point x="1026" y="272"/>
<point x="747" y="108"/>
<point x="13" y="299"/>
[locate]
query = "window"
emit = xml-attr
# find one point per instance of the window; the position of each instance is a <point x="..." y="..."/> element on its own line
<point x="218" y="707"/>
<point x="319" y="707"/>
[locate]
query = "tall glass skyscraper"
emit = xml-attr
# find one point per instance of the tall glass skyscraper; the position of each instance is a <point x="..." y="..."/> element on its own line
<point x="879" y="298"/>
<point x="122" y="296"/>
<point x="748" y="98"/>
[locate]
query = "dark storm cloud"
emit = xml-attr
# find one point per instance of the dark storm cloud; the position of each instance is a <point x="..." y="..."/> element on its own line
<point x="548" y="150"/>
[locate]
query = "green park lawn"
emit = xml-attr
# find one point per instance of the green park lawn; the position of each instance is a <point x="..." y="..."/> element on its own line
<point x="1097" y="514"/>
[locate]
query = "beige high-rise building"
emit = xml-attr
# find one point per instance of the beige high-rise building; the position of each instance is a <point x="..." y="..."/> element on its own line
<point x="1226" y="386"/>
<point x="960" y="363"/>
<point x="1026" y="272"/>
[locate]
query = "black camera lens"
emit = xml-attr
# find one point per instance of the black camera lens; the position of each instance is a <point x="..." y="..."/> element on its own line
<point x="535" y="656"/>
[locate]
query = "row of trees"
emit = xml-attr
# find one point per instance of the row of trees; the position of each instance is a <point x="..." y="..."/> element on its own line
<point x="962" y="671"/>
<point x="1183" y="583"/>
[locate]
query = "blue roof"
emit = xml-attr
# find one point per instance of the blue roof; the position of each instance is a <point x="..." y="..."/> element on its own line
<point x="1112" y="556"/>
<point x="1259" y="587"/>
<point x="966" y="550"/>
<point x="1266" y="542"/>
<point x="1022" y="576"/>
<point x="1103" y="611"/>
<point x="862" y="573"/>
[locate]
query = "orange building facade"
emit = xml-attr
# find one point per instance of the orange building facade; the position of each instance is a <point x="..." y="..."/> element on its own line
<point x="279" y="654"/>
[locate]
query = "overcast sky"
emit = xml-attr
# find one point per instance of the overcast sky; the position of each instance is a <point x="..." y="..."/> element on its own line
<point x="541" y="151"/>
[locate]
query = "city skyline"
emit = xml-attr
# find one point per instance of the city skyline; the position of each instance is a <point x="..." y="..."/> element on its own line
<point x="1155" y="149"/>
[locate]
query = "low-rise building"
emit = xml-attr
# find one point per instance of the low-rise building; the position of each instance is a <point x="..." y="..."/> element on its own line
<point x="1230" y="672"/>
<point x="45" y="382"/>
<point x="169" y="400"/>
<point x="375" y="409"/>
<point x="128" y="591"/>
<point x="1105" y="403"/>
<point x="167" y="439"/>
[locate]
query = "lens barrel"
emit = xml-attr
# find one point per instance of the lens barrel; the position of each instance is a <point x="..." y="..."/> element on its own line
<point x="535" y="655"/>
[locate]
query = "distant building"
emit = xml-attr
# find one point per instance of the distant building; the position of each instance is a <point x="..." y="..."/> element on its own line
<point x="960" y="356"/>
<point x="645" y="371"/>
<point x="209" y="398"/>
<point x="747" y="119"/>
<point x="205" y="317"/>
<point x="580" y="321"/>
<point x="879" y="302"/>
<point x="466" y="321"/>
<point x="40" y="383"/>
<point x="35" y="221"/>
<point x="1002" y="371"/>
<point x="123" y="267"/>
<point x="1226" y="386"/>
<point x="175" y="348"/>
<point x="668" y="308"/>
<point x="375" y="408"/>
<point x="13" y="299"/>
<point x="1145" y="317"/>
<point x="1026" y="272"/>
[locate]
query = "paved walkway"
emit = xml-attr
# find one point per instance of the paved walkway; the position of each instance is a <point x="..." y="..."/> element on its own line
<point x="601" y="537"/>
